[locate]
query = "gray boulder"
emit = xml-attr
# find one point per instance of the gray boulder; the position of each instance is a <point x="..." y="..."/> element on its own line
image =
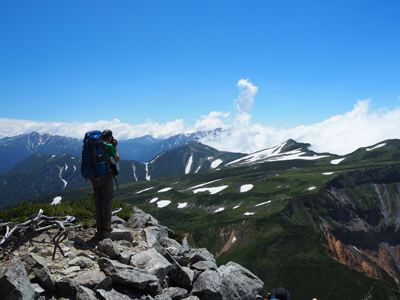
<point x="107" y="246"/>
<point x="82" y="262"/>
<point x="121" y="235"/>
<point x="89" y="279"/>
<point x="127" y="275"/>
<point x="205" y="265"/>
<point x="162" y="297"/>
<point x="140" y="218"/>
<point x="39" y="291"/>
<point x="201" y="254"/>
<point x="238" y="283"/>
<point x="116" y="293"/>
<point x="117" y="222"/>
<point x="14" y="282"/>
<point x="125" y="256"/>
<point x="83" y="293"/>
<point x="38" y="265"/>
<point x="208" y="284"/>
<point x="182" y="276"/>
<point x="105" y="283"/>
<point x="154" y="234"/>
<point x="175" y="293"/>
<point x="152" y="262"/>
<point x="171" y="243"/>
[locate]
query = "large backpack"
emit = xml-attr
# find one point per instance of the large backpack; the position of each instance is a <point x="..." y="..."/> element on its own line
<point x="94" y="163"/>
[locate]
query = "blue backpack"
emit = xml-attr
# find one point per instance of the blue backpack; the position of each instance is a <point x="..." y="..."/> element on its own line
<point x="94" y="163"/>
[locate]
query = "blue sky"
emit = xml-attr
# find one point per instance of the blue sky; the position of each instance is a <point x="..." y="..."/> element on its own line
<point x="169" y="64"/>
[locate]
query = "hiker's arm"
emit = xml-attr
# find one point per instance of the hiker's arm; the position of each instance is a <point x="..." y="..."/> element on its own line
<point x="115" y="143"/>
<point x="117" y="157"/>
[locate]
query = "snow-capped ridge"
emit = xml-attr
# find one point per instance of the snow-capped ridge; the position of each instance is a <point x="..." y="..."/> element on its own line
<point x="288" y="150"/>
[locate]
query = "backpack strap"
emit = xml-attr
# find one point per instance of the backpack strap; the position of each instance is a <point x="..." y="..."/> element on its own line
<point x="108" y="160"/>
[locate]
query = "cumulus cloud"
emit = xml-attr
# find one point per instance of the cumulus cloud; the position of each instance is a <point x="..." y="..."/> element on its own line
<point x="246" y="96"/>
<point x="9" y="127"/>
<point x="340" y="134"/>
<point x="211" y="121"/>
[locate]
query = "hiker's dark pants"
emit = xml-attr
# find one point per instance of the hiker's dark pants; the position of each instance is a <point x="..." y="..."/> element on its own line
<point x="103" y="196"/>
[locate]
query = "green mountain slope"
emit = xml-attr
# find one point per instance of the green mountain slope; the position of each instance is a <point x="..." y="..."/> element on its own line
<point x="306" y="224"/>
<point x="45" y="173"/>
<point x="16" y="149"/>
<point x="192" y="157"/>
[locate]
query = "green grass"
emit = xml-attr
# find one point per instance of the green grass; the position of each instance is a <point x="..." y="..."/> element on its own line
<point x="83" y="210"/>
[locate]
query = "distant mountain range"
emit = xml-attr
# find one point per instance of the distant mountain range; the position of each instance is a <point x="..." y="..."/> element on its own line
<point x="17" y="148"/>
<point x="142" y="149"/>
<point x="43" y="173"/>
<point x="52" y="163"/>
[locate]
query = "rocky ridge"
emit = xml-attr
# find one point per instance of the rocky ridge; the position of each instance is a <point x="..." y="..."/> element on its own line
<point x="138" y="260"/>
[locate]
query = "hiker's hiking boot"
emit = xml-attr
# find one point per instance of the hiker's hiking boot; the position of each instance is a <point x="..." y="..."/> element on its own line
<point x="106" y="232"/>
<point x="102" y="233"/>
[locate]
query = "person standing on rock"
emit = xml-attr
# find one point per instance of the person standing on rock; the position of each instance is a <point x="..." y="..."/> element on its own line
<point x="103" y="187"/>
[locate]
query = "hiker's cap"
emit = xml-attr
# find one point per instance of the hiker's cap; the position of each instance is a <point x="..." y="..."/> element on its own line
<point x="107" y="133"/>
<point x="281" y="293"/>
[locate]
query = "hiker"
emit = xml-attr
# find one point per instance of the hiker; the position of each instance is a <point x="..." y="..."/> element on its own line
<point x="280" y="293"/>
<point x="103" y="187"/>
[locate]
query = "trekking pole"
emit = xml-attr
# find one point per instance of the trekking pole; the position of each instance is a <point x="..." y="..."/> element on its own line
<point x="115" y="178"/>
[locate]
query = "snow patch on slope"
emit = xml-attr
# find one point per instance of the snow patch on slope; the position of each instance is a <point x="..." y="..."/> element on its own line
<point x="147" y="171"/>
<point x="134" y="171"/>
<point x="274" y="154"/>
<point x="182" y="205"/>
<point x="211" y="190"/>
<point x="145" y="190"/>
<point x="154" y="200"/>
<point x="189" y="164"/>
<point x="196" y="186"/>
<point x="246" y="187"/>
<point x="337" y="161"/>
<point x="216" y="163"/>
<point x="259" y="204"/>
<point x="163" y="203"/>
<point x="56" y="200"/>
<point x="60" y="175"/>
<point x="376" y="147"/>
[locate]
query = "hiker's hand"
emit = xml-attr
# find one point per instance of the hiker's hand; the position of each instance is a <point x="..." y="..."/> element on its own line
<point x="114" y="142"/>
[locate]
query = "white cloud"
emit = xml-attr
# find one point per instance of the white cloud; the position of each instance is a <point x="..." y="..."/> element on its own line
<point x="211" y="121"/>
<point x="10" y="127"/>
<point x="340" y="134"/>
<point x="248" y="91"/>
